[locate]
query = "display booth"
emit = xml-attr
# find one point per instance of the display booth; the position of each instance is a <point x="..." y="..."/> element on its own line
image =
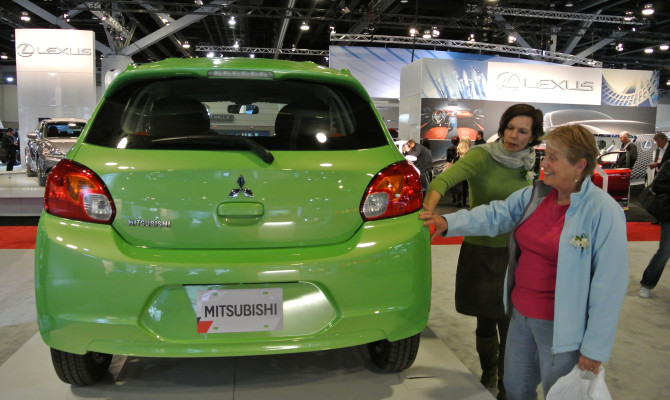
<point x="440" y="99"/>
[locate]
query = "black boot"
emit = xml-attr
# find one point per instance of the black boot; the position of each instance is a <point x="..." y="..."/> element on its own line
<point x="502" y="395"/>
<point x="487" y="348"/>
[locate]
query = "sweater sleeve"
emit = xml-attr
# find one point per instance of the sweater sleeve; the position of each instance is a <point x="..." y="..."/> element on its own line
<point x="470" y="165"/>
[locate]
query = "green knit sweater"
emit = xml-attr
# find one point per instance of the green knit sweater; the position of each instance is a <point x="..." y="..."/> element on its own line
<point x="488" y="181"/>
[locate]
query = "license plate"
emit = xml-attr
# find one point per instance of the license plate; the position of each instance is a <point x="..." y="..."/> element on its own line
<point x="240" y="310"/>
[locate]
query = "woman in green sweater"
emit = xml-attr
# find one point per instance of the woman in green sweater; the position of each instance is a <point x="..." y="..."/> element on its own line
<point x="493" y="171"/>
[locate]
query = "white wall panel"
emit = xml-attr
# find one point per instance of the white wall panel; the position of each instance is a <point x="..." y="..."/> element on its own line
<point x="55" y="70"/>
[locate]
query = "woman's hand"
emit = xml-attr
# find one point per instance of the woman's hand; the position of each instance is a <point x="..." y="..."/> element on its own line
<point x="587" y="364"/>
<point x="430" y="218"/>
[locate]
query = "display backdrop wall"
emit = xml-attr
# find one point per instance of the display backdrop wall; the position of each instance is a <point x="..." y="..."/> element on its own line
<point x="459" y="98"/>
<point x="56" y="76"/>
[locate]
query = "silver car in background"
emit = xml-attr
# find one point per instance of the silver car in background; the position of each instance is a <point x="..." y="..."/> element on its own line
<point x="49" y="143"/>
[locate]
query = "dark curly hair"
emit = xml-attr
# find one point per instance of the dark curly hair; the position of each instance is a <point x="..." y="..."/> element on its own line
<point x="528" y="111"/>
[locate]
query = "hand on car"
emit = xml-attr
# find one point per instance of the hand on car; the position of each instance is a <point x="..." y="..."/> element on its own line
<point x="430" y="218"/>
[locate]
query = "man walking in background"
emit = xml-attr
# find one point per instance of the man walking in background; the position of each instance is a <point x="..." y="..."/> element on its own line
<point x="10" y="145"/>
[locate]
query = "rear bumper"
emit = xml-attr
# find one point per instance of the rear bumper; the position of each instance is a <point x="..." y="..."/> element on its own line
<point x="95" y="292"/>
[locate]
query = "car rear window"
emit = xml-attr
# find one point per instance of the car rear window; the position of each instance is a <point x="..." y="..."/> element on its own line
<point x="63" y="129"/>
<point x="207" y="114"/>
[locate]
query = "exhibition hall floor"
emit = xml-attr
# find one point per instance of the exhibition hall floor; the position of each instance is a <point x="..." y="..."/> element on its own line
<point x="446" y="368"/>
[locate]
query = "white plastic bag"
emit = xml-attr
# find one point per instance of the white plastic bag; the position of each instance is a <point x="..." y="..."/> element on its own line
<point x="580" y="385"/>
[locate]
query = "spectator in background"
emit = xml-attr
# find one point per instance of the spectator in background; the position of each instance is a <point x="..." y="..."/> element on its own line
<point x="660" y="155"/>
<point x="10" y="144"/>
<point x="652" y="274"/>
<point x="461" y="189"/>
<point x="424" y="160"/>
<point x="629" y="147"/>
<point x="479" y="138"/>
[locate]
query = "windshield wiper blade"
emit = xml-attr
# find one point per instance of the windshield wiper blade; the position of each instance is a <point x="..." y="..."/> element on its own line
<point x="263" y="153"/>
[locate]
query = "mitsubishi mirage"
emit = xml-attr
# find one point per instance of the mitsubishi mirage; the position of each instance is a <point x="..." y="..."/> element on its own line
<point x="227" y="207"/>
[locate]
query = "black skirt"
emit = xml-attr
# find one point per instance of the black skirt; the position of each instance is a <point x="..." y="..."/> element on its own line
<point x="480" y="277"/>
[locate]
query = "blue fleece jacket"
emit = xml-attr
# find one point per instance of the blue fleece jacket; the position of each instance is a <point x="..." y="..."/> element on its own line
<point x="591" y="281"/>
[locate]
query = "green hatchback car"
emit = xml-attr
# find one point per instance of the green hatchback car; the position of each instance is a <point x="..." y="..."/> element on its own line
<point x="227" y="207"/>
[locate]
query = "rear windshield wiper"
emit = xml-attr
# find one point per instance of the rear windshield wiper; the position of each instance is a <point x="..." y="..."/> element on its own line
<point x="230" y="141"/>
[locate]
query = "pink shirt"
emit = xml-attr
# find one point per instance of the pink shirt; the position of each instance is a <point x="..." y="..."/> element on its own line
<point x="535" y="275"/>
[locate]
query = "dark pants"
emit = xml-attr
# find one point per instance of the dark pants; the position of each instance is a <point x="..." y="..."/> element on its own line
<point x="657" y="263"/>
<point x="11" y="160"/>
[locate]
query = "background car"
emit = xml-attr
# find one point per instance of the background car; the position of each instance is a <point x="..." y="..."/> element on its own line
<point x="225" y="207"/>
<point x="49" y="143"/>
<point x="606" y="131"/>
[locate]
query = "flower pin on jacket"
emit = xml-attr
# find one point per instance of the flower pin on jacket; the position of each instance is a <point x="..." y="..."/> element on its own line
<point x="580" y="242"/>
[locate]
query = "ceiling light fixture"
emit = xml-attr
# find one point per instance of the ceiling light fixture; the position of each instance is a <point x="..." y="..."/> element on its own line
<point x="435" y="32"/>
<point x="304" y="26"/>
<point x="648" y="50"/>
<point x="4" y="56"/>
<point x="511" y="39"/>
<point x="426" y="34"/>
<point x="210" y="54"/>
<point x="664" y="47"/>
<point x="568" y="3"/>
<point x="629" y="16"/>
<point x="236" y="45"/>
<point x="186" y="44"/>
<point x="413" y="32"/>
<point x="24" y="16"/>
<point x="619" y="47"/>
<point x="648" y="9"/>
<point x="252" y="55"/>
<point x="471" y="38"/>
<point x="232" y="22"/>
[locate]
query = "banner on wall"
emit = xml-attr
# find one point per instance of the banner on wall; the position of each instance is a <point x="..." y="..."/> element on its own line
<point x="543" y="83"/>
<point x="54" y="50"/>
<point x="56" y="75"/>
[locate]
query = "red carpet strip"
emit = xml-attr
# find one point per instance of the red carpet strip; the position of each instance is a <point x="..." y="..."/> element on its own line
<point x="23" y="237"/>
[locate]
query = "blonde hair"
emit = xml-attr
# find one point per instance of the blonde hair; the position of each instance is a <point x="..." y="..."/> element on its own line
<point x="579" y="144"/>
<point x="463" y="146"/>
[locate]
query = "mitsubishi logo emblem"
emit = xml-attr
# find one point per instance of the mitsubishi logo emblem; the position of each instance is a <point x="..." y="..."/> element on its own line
<point x="236" y="192"/>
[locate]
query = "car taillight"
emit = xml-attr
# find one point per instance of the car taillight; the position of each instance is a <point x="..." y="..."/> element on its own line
<point x="394" y="191"/>
<point x="74" y="191"/>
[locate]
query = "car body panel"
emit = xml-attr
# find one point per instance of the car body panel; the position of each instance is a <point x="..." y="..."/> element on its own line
<point x="142" y="183"/>
<point x="201" y="216"/>
<point x="133" y="300"/>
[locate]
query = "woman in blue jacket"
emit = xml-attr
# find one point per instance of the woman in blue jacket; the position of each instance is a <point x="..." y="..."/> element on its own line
<point x="568" y="265"/>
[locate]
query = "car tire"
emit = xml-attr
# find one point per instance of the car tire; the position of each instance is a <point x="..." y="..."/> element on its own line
<point x="77" y="369"/>
<point x="29" y="171"/>
<point x="41" y="175"/>
<point x="394" y="356"/>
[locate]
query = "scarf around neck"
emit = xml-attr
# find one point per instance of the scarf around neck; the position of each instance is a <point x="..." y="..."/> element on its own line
<point x="524" y="158"/>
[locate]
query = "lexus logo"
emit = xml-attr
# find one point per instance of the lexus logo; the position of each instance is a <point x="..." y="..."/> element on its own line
<point x="508" y="82"/>
<point x="27" y="50"/>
